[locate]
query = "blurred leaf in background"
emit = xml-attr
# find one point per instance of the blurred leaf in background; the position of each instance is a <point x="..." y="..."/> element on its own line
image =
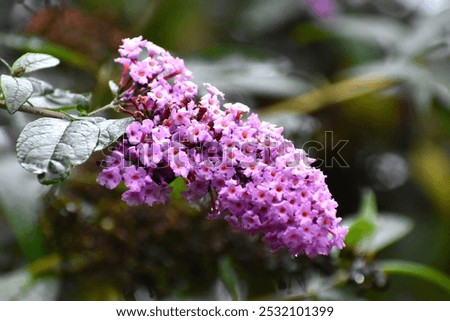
<point x="374" y="73"/>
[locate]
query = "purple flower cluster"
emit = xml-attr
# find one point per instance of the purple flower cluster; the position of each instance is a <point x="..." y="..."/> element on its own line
<point x="253" y="177"/>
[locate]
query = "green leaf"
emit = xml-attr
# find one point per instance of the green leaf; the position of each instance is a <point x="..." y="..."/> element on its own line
<point x="367" y="239"/>
<point x="20" y="209"/>
<point x="253" y="15"/>
<point x="365" y="223"/>
<point x="390" y="228"/>
<point x="237" y="73"/>
<point x="307" y="33"/>
<point x="16" y="92"/>
<point x="426" y="32"/>
<point x="13" y="284"/>
<point x="20" y="285"/>
<point x="417" y="270"/>
<point x="111" y="130"/>
<point x="359" y="230"/>
<point x="422" y="83"/>
<point x="376" y="30"/>
<point x="368" y="209"/>
<point x="42" y="289"/>
<point x="33" y="61"/>
<point x="61" y="99"/>
<point x="37" y="44"/>
<point x="40" y="87"/>
<point x="51" y="147"/>
<point x="371" y="231"/>
<point x="229" y="277"/>
<point x="178" y="186"/>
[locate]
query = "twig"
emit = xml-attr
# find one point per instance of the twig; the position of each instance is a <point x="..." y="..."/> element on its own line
<point x="39" y="111"/>
<point x="102" y="109"/>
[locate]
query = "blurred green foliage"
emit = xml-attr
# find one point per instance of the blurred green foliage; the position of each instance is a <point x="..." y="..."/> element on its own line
<point x="376" y="74"/>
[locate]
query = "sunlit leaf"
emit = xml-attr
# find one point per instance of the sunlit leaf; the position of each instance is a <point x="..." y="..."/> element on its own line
<point x="16" y="92"/>
<point x="33" y="61"/>
<point x="51" y="147"/>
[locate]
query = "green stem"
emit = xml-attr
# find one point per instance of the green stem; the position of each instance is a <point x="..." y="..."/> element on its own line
<point x="417" y="270"/>
<point x="102" y="109"/>
<point x="6" y="64"/>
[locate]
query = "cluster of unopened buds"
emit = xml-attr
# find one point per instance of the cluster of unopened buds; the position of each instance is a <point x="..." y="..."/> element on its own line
<point x="251" y="175"/>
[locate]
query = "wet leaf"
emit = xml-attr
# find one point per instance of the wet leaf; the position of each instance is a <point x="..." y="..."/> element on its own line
<point x="51" y="147"/>
<point x="111" y="130"/>
<point x="40" y="87"/>
<point x="16" y="92"/>
<point x="60" y="98"/>
<point x="33" y="61"/>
